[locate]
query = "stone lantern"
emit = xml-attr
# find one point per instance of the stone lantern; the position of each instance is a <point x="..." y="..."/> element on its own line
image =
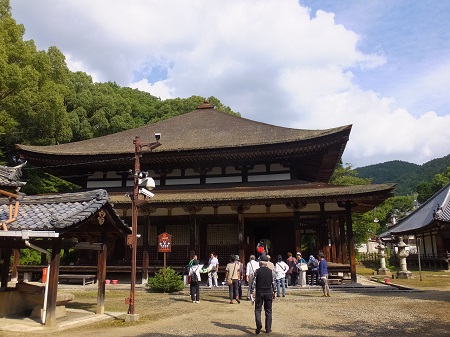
<point x="382" y="256"/>
<point x="402" y="254"/>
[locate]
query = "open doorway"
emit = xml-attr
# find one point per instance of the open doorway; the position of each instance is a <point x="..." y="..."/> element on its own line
<point x="264" y="233"/>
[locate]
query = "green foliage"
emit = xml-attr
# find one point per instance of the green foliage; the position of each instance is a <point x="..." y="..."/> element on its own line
<point x="426" y="190"/>
<point x="43" y="103"/>
<point x="39" y="182"/>
<point x="345" y="175"/>
<point x="29" y="257"/>
<point x="167" y="282"/>
<point x="407" y="176"/>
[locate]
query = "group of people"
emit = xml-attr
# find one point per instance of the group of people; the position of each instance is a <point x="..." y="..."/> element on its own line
<point x="265" y="279"/>
<point x="195" y="270"/>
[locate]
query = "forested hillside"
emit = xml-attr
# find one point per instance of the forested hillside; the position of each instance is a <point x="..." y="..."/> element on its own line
<point x="407" y="175"/>
<point x="42" y="102"/>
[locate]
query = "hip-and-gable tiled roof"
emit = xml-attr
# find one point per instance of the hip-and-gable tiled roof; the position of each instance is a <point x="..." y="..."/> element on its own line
<point x="204" y="128"/>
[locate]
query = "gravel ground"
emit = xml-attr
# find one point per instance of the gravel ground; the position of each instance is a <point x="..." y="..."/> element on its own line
<point x="348" y="312"/>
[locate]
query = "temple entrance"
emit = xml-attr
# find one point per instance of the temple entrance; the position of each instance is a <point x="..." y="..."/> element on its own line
<point x="264" y="233"/>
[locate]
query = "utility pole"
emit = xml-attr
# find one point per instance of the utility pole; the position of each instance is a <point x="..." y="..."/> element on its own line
<point x="135" y="203"/>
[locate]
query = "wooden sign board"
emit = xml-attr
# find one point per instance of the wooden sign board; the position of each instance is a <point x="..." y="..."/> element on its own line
<point x="164" y="243"/>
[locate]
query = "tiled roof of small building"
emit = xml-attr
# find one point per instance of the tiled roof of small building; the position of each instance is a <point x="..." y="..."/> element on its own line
<point x="434" y="210"/>
<point x="203" y="128"/>
<point x="9" y="176"/>
<point x="58" y="212"/>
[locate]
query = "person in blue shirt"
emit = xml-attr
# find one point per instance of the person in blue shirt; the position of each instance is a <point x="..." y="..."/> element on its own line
<point x="323" y="274"/>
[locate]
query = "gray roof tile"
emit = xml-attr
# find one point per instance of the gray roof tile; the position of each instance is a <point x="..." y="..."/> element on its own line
<point x="437" y="208"/>
<point x="9" y="176"/>
<point x="57" y="211"/>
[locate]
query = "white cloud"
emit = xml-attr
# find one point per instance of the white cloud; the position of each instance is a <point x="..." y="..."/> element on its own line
<point x="271" y="60"/>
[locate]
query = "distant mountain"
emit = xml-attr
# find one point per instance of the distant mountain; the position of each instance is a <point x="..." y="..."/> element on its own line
<point x="406" y="175"/>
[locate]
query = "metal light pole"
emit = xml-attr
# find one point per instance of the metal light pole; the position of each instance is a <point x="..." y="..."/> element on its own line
<point x="135" y="203"/>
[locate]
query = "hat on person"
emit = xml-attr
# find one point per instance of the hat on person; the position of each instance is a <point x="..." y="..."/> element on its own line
<point x="321" y="255"/>
<point x="298" y="253"/>
<point x="264" y="258"/>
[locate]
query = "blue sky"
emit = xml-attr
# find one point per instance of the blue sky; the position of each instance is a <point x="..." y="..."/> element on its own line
<point x="380" y="65"/>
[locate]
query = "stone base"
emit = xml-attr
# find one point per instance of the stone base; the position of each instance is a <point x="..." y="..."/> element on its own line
<point x="60" y="311"/>
<point x="384" y="271"/>
<point x="132" y="317"/>
<point x="404" y="274"/>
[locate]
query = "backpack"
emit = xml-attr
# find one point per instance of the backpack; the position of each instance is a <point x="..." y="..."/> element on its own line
<point x="194" y="276"/>
<point x="260" y="248"/>
<point x="315" y="263"/>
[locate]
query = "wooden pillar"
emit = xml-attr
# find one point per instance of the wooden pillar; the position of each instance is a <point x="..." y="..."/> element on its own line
<point x="6" y="256"/>
<point x="145" y="250"/>
<point x="53" y="282"/>
<point x="101" y="277"/>
<point x="350" y="240"/>
<point x="342" y="237"/>
<point x="241" y="242"/>
<point x="324" y="233"/>
<point x="297" y="229"/>
<point x="16" y="260"/>
<point x="333" y="231"/>
<point x="193" y="232"/>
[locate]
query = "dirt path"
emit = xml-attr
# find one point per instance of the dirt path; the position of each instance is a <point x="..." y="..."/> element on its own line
<point x="300" y="313"/>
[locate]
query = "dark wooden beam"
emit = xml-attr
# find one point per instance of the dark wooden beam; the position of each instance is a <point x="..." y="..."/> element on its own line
<point x="101" y="277"/>
<point x="53" y="283"/>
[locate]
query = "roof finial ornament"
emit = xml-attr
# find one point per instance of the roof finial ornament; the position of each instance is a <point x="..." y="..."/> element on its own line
<point x="206" y="105"/>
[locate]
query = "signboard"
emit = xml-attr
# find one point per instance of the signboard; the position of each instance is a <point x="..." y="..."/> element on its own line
<point x="164" y="243"/>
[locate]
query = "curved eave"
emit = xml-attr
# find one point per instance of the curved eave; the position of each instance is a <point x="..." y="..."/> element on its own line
<point x="365" y="197"/>
<point x="201" y="129"/>
<point x="323" y="154"/>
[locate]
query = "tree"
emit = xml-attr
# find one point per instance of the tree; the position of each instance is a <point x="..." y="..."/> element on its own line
<point x="426" y="190"/>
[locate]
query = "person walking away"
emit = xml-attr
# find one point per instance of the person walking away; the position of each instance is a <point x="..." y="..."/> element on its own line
<point x="301" y="263"/>
<point x="232" y="277"/>
<point x="252" y="266"/>
<point x="292" y="263"/>
<point x="194" y="286"/>
<point x="323" y="275"/>
<point x="261" y="248"/>
<point x="264" y="286"/>
<point x="313" y="265"/>
<point x="213" y="266"/>
<point x="241" y="276"/>
<point x="280" y="269"/>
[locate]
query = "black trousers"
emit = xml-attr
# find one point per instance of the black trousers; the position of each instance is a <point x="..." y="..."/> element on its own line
<point x="194" y="288"/>
<point x="314" y="275"/>
<point x="266" y="300"/>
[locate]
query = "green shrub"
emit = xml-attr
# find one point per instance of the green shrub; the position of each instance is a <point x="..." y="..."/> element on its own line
<point x="166" y="282"/>
<point x="30" y="257"/>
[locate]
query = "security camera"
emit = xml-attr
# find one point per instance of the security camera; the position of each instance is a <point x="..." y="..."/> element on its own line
<point x="150" y="184"/>
<point x="157" y="136"/>
<point x="146" y="192"/>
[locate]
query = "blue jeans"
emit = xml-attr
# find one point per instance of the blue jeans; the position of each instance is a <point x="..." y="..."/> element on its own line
<point x="283" y="286"/>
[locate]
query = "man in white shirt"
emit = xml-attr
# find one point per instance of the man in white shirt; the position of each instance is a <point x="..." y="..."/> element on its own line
<point x="252" y="266"/>
<point x="281" y="268"/>
<point x="213" y="266"/>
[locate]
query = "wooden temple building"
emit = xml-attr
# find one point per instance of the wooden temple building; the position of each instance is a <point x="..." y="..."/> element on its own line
<point x="222" y="183"/>
<point x="430" y="226"/>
